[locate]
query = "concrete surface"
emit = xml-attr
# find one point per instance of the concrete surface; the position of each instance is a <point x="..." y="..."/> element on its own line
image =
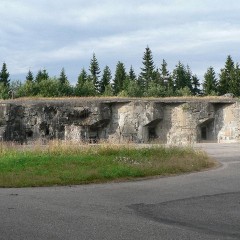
<point x="171" y="121"/>
<point x="203" y="205"/>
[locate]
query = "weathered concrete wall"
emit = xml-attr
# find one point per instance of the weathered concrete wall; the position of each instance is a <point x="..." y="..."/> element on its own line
<point x="227" y="123"/>
<point x="130" y="121"/>
<point x="173" y="121"/>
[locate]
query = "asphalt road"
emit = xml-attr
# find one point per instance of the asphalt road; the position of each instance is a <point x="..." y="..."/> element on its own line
<point x="204" y="205"/>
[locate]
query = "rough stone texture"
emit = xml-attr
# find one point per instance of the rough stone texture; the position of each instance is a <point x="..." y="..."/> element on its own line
<point x="173" y="121"/>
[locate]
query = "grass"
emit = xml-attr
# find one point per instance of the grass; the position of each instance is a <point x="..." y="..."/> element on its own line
<point x="68" y="164"/>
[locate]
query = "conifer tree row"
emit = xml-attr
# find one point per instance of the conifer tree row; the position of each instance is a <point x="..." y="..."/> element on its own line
<point x="153" y="80"/>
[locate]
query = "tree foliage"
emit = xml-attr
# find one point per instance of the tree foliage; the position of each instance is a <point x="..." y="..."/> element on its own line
<point x="119" y="78"/>
<point x="182" y="76"/>
<point x="105" y="80"/>
<point x="41" y="75"/>
<point x="225" y="76"/>
<point x="147" y="71"/>
<point x="30" y="76"/>
<point x="210" y="82"/>
<point x="150" y="82"/>
<point x="63" y="77"/>
<point x="82" y="78"/>
<point x="94" y="72"/>
<point x="195" y="85"/>
<point x="4" y="76"/>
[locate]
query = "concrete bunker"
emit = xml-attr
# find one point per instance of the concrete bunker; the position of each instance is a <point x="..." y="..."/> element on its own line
<point x="206" y="131"/>
<point x="151" y="130"/>
<point x="98" y="131"/>
<point x="171" y="121"/>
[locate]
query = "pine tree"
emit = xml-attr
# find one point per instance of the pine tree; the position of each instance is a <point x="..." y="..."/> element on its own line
<point x="147" y="71"/>
<point x="234" y="85"/>
<point x="82" y="78"/>
<point x="29" y="77"/>
<point x="38" y="77"/>
<point x="210" y="82"/>
<point x="179" y="76"/>
<point x="45" y="75"/>
<point x="157" y="78"/>
<point x="132" y="75"/>
<point x="63" y="78"/>
<point x="167" y="79"/>
<point x="105" y="80"/>
<point x="64" y="87"/>
<point x="95" y="71"/>
<point x="4" y="76"/>
<point x="164" y="72"/>
<point x="188" y="78"/>
<point x="237" y="76"/>
<point x="195" y="85"/>
<point x="225" y="76"/>
<point x="119" y="78"/>
<point x="41" y="75"/>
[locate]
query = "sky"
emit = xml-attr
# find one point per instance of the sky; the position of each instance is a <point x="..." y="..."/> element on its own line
<point x="52" y="34"/>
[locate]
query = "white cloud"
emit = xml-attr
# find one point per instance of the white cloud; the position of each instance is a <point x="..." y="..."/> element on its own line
<point x="48" y="32"/>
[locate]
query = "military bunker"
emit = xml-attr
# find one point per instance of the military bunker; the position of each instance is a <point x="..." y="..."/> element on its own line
<point x="163" y="120"/>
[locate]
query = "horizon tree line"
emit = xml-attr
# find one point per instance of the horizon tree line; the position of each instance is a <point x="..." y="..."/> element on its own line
<point x="152" y="81"/>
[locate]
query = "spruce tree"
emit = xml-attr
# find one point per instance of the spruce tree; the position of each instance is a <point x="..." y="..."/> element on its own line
<point x="82" y="78"/>
<point x="119" y="78"/>
<point x="63" y="77"/>
<point x="29" y="77"/>
<point x="4" y="76"/>
<point x="157" y="78"/>
<point x="234" y="85"/>
<point x="105" y="80"/>
<point x="95" y="71"/>
<point x="195" y="85"/>
<point x="41" y="75"/>
<point x="225" y="76"/>
<point x="164" y="73"/>
<point x="147" y="71"/>
<point x="188" y="78"/>
<point x="166" y="79"/>
<point x="210" y="82"/>
<point x="132" y="75"/>
<point x="179" y="76"/>
<point x="64" y="88"/>
<point x="237" y="76"/>
<point x="45" y="75"/>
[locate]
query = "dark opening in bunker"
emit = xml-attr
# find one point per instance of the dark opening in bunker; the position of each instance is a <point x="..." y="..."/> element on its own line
<point x="204" y="133"/>
<point x="152" y="133"/>
<point x="95" y="131"/>
<point x="93" y="137"/>
<point x="29" y="133"/>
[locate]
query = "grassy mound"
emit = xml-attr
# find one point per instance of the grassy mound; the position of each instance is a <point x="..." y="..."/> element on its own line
<point x="67" y="164"/>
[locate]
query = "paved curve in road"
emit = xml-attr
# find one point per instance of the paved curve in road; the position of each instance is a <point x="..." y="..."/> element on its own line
<point x="204" y="205"/>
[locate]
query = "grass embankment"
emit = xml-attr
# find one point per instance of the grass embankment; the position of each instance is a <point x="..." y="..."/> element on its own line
<point x="60" y="164"/>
